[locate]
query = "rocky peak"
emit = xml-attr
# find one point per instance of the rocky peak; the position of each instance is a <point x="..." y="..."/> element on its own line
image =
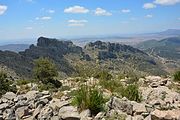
<point x="52" y="42"/>
<point x="112" y="47"/>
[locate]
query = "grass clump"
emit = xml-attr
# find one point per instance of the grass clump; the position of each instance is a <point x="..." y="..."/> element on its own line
<point x="23" y="82"/>
<point x="89" y="98"/>
<point x="177" y="76"/>
<point x="111" y="85"/>
<point x="131" y="92"/>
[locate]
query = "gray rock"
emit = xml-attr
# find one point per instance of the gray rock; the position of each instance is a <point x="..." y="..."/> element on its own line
<point x="22" y="111"/>
<point x="148" y="117"/>
<point x="129" y="117"/>
<point x="69" y="113"/>
<point x="37" y="111"/>
<point x="45" y="92"/>
<point x="57" y="104"/>
<point x="99" y="116"/>
<point x="154" y="85"/>
<point x="9" y="114"/>
<point x="121" y="104"/>
<point x="21" y="103"/>
<point x="32" y="95"/>
<point x="85" y="114"/>
<point x="55" y="118"/>
<point x="41" y="102"/>
<point x="46" y="113"/>
<point x="165" y="115"/>
<point x="4" y="106"/>
<point x="138" y="108"/>
<point x="9" y="95"/>
<point x="138" y="117"/>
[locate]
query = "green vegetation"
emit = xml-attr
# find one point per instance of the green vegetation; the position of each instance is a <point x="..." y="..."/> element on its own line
<point x="111" y="85"/>
<point x="5" y="84"/>
<point x="89" y="98"/>
<point x="103" y="75"/>
<point x="177" y="76"/>
<point x="132" y="93"/>
<point x="22" y="82"/>
<point x="45" y="72"/>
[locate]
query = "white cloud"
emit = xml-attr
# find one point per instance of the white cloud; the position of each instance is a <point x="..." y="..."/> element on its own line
<point x="43" y="18"/>
<point x="149" y="6"/>
<point x="28" y="28"/>
<point x="76" y="9"/>
<point x="167" y="2"/>
<point x="51" y="11"/>
<point x="3" y="9"/>
<point x="125" y="10"/>
<point x="77" y="23"/>
<point x="102" y="12"/>
<point x="149" y="16"/>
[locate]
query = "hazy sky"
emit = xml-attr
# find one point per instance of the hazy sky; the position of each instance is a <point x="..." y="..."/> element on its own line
<point x="62" y="18"/>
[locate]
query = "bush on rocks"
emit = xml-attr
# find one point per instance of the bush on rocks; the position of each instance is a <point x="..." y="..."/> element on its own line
<point x="103" y="75"/>
<point x="44" y="72"/>
<point x="5" y="84"/>
<point x="89" y="98"/>
<point x="132" y="93"/>
<point x="177" y="76"/>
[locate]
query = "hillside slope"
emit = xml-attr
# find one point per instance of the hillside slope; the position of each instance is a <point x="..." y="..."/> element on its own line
<point x="166" y="50"/>
<point x="66" y="55"/>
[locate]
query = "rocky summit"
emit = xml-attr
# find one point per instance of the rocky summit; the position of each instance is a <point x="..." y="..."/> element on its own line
<point x="160" y="101"/>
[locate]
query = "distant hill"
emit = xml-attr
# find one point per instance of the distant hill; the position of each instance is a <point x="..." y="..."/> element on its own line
<point x="122" y="57"/>
<point x="14" y="47"/>
<point x="67" y="56"/>
<point x="166" y="50"/>
<point x="170" y="32"/>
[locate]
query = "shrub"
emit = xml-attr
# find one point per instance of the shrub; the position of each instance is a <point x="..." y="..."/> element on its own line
<point x="89" y="98"/>
<point x="177" y="76"/>
<point x="103" y="75"/>
<point x="5" y="85"/>
<point x="45" y="70"/>
<point x="22" y="82"/>
<point x="132" y="93"/>
<point x="111" y="85"/>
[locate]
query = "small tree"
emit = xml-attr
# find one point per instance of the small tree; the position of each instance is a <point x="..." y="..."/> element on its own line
<point x="45" y="70"/>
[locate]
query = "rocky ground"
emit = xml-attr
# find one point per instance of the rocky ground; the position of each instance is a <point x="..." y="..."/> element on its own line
<point x="160" y="101"/>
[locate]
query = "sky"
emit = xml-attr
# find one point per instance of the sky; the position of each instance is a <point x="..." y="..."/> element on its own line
<point x="21" y="19"/>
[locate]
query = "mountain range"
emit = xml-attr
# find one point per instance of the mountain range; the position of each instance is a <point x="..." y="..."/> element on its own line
<point x="68" y="57"/>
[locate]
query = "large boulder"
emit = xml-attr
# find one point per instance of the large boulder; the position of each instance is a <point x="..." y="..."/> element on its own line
<point x="69" y="113"/>
<point x="9" y="95"/>
<point x="138" y="108"/>
<point x="3" y="106"/>
<point x="123" y="105"/>
<point x="165" y="115"/>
